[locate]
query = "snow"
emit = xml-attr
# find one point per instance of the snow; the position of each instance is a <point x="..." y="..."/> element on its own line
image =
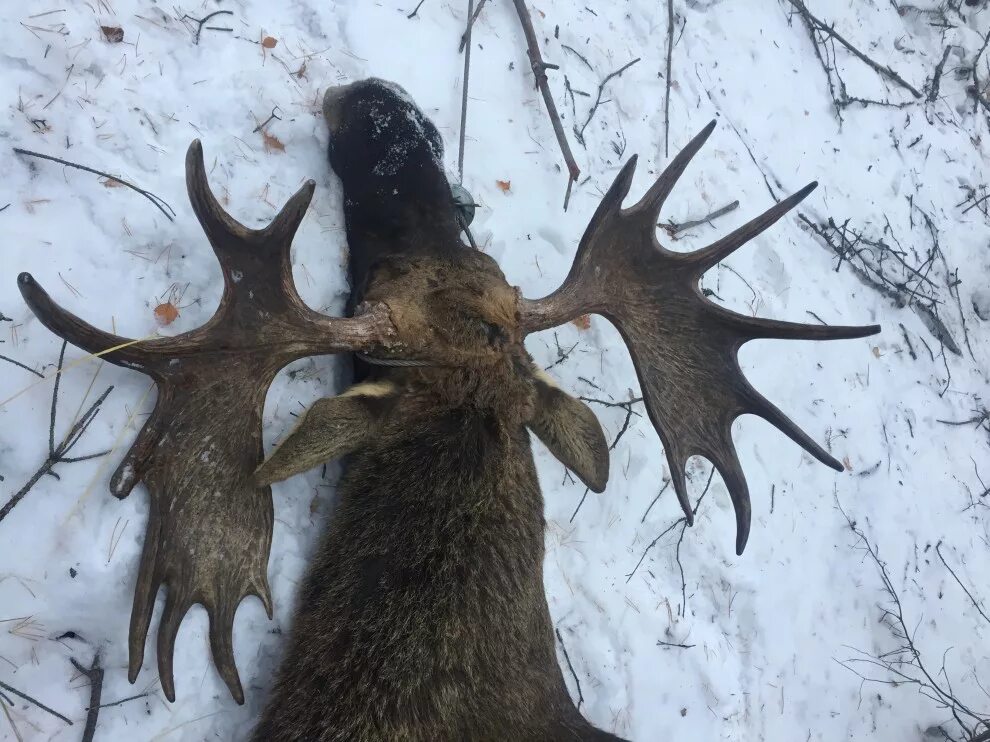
<point x="767" y="630"/>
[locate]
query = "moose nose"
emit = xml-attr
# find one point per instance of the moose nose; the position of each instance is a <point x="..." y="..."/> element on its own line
<point x="333" y="105"/>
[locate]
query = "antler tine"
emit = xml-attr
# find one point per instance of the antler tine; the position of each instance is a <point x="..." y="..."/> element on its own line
<point x="176" y="607"/>
<point x="758" y="328"/>
<point x="219" y="225"/>
<point x="216" y="222"/>
<point x="145" y="592"/>
<point x="763" y="407"/>
<point x="82" y="334"/>
<point x="222" y="646"/>
<point x="283" y="227"/>
<point x="708" y="257"/>
<point x="727" y="463"/>
<point x="652" y="202"/>
<point x="683" y="346"/>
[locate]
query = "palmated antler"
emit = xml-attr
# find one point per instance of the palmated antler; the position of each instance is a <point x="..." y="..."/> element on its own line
<point x="210" y="526"/>
<point x="683" y="346"/>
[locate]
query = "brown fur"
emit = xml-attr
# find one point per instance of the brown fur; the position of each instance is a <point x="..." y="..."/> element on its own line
<point x="424" y="617"/>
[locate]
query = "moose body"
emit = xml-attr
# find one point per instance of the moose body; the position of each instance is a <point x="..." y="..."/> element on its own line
<point x="424" y="616"/>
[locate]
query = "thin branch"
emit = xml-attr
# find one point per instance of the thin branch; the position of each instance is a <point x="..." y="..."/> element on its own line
<point x="570" y="667"/>
<point x="466" y="36"/>
<point x="18" y="363"/>
<point x="672" y="229"/>
<point x="158" y="201"/>
<point x="938" y="550"/>
<point x="123" y="700"/>
<point x="579" y="133"/>
<point x="95" y="675"/>
<point x="58" y="454"/>
<point x="273" y="117"/>
<point x="937" y="77"/>
<point x="540" y="72"/>
<point x="583" y="497"/>
<point x="35" y="702"/>
<point x="464" y="93"/>
<point x="201" y="21"/>
<point x="663" y="489"/>
<point x="666" y="99"/>
<point x="416" y="9"/>
<point x="880" y="69"/>
<point x="579" y="55"/>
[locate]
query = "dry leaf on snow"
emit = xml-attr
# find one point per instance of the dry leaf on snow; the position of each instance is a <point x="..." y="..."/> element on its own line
<point x="113" y="34"/>
<point x="166" y="313"/>
<point x="272" y="142"/>
<point x="504" y="185"/>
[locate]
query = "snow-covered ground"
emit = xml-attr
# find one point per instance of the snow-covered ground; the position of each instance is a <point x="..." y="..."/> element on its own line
<point x="764" y="633"/>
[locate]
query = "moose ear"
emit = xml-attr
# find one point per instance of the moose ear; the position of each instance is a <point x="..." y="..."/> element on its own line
<point x="331" y="428"/>
<point x="571" y="431"/>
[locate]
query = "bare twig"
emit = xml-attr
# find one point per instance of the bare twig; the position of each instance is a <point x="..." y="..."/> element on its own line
<point x="672" y="229"/>
<point x="567" y="657"/>
<point x="201" y="21"/>
<point x="58" y="454"/>
<point x="578" y="508"/>
<point x="579" y="132"/>
<point x="35" y="702"/>
<point x="95" y="675"/>
<point x="464" y="93"/>
<point x="674" y="644"/>
<point x="18" y="363"/>
<point x="158" y="201"/>
<point x="666" y="99"/>
<point x="540" y="72"/>
<point x="466" y="36"/>
<point x="274" y="116"/>
<point x="416" y="9"/>
<point x="830" y="31"/>
<point x="905" y="665"/>
<point x="975" y="602"/>
<point x="663" y="489"/>
<point x="937" y="76"/>
<point x="579" y="55"/>
<point x="123" y="700"/>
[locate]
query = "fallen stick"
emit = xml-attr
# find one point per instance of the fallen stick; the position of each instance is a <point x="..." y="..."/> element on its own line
<point x="879" y="68"/>
<point x="35" y="702"/>
<point x="95" y="675"/>
<point x="540" y="71"/>
<point x="671" y="228"/>
<point x="666" y="100"/>
<point x="158" y="201"/>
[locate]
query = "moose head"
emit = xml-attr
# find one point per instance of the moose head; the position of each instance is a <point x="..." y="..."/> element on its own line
<point x="436" y="328"/>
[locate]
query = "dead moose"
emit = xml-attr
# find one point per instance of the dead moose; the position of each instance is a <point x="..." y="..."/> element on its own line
<point x="423" y="616"/>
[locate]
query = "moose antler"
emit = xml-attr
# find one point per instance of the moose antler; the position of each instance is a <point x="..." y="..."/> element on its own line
<point x="210" y="525"/>
<point x="683" y="346"/>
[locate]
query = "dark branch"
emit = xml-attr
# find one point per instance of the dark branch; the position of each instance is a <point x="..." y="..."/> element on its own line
<point x="666" y="98"/>
<point x="95" y="675"/>
<point x="202" y="21"/>
<point x="539" y="71"/>
<point x="579" y="133"/>
<point x="158" y="201"/>
<point x="880" y="69"/>
<point x="35" y="702"/>
<point x="570" y="667"/>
